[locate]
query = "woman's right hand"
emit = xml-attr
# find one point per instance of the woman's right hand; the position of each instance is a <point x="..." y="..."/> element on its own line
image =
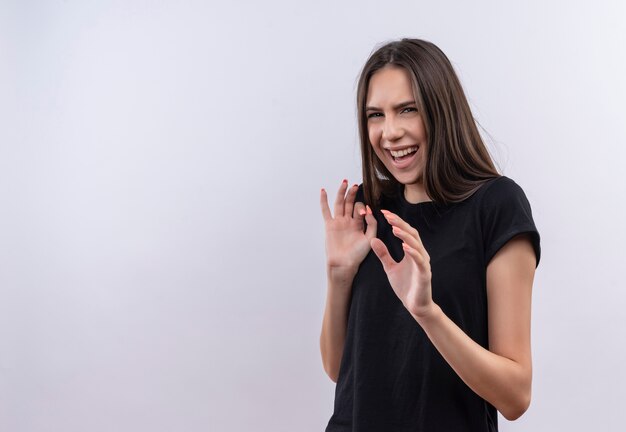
<point x="346" y="242"/>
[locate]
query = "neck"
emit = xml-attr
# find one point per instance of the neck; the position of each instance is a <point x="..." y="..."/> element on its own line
<point x="415" y="193"/>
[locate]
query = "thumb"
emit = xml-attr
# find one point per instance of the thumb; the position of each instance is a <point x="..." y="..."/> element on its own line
<point x="359" y="213"/>
<point x="382" y="253"/>
<point x="372" y="224"/>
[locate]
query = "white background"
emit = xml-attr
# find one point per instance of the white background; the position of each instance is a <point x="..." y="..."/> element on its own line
<point x="161" y="244"/>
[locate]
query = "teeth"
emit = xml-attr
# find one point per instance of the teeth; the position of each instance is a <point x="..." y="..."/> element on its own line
<point x="403" y="152"/>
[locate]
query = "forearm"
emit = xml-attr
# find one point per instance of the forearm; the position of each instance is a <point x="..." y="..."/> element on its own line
<point x="503" y="382"/>
<point x="334" y="325"/>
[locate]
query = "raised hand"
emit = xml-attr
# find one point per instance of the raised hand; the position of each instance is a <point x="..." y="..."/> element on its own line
<point x="411" y="277"/>
<point x="346" y="242"/>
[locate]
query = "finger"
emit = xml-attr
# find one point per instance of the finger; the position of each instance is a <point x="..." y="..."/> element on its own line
<point x="395" y="220"/>
<point x="349" y="206"/>
<point x="422" y="264"/>
<point x="341" y="198"/>
<point x="407" y="238"/>
<point x="382" y="253"/>
<point x="324" y="205"/>
<point x="359" y="214"/>
<point x="359" y="210"/>
<point x="372" y="224"/>
<point x="420" y="245"/>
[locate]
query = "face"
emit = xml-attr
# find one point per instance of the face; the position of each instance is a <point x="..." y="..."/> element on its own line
<point x="395" y="127"/>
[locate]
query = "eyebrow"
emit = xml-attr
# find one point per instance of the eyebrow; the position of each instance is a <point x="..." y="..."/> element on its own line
<point x="400" y="105"/>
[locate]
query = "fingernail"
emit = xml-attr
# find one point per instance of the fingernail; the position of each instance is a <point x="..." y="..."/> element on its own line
<point x="345" y="181"/>
<point x="361" y="212"/>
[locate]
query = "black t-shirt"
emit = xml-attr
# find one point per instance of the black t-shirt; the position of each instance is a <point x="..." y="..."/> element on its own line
<point x="391" y="377"/>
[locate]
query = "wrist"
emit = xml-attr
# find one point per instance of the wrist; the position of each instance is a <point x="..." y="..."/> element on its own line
<point x="340" y="275"/>
<point x="426" y="315"/>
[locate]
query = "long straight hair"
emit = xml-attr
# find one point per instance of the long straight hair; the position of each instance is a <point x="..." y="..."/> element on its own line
<point x="457" y="161"/>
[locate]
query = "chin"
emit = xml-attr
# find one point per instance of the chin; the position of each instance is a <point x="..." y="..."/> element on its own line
<point x="407" y="180"/>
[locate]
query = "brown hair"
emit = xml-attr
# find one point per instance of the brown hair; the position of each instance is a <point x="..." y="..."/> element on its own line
<point x="457" y="161"/>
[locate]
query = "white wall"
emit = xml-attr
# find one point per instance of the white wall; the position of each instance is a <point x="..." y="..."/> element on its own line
<point x="161" y="244"/>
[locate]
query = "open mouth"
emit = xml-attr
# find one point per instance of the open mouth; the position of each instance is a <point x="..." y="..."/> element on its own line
<point x="403" y="157"/>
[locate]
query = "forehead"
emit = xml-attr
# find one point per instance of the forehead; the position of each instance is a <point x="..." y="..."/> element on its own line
<point x="389" y="84"/>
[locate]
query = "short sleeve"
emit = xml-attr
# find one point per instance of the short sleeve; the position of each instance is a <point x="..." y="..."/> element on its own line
<point x="505" y="213"/>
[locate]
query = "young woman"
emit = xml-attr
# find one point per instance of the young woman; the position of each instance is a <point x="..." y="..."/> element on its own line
<point x="430" y="262"/>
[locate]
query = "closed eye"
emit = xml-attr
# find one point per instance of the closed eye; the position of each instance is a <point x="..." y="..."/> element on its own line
<point x="404" y="110"/>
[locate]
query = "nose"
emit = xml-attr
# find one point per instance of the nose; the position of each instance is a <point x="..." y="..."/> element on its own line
<point x="392" y="131"/>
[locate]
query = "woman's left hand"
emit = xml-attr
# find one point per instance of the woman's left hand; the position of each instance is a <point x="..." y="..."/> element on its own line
<point x="411" y="277"/>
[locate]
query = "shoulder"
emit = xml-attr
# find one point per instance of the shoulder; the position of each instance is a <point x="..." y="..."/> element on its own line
<point x="383" y="200"/>
<point x="501" y="192"/>
<point x="500" y="187"/>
